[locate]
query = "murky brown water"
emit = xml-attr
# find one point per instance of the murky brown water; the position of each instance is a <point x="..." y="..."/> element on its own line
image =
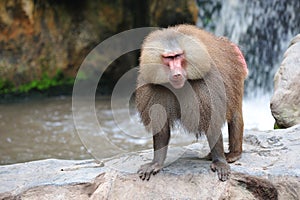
<point x="44" y="128"/>
<point x="37" y="129"/>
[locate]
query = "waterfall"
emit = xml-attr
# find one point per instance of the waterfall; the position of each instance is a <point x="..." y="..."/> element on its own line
<point x="263" y="30"/>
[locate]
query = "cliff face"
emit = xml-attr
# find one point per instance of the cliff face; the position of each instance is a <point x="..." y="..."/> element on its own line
<point x="46" y="37"/>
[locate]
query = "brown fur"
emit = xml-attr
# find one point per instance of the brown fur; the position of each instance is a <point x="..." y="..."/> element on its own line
<point x="212" y="95"/>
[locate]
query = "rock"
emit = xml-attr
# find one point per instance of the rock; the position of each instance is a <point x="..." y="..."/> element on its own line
<point x="269" y="169"/>
<point x="285" y="103"/>
<point x="42" y="38"/>
<point x="169" y="12"/>
<point x="46" y="176"/>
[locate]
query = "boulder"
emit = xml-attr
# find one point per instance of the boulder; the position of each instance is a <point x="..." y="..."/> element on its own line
<point x="285" y="103"/>
<point x="269" y="169"/>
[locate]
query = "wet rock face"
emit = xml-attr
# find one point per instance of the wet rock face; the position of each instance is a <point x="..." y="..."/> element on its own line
<point x="45" y="37"/>
<point x="285" y="103"/>
<point x="268" y="169"/>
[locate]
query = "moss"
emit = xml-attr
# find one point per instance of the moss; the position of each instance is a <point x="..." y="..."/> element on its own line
<point x="42" y="84"/>
<point x="277" y="126"/>
<point x="6" y="86"/>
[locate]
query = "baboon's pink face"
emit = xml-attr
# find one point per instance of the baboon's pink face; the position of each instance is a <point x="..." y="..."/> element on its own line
<point x="176" y="63"/>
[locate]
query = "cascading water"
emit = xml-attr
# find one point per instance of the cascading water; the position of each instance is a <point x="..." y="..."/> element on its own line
<point x="262" y="29"/>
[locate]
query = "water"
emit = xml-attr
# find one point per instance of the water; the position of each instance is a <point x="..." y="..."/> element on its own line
<point x="262" y="29"/>
<point x="44" y="128"/>
<point x="37" y="129"/>
<point x="257" y="113"/>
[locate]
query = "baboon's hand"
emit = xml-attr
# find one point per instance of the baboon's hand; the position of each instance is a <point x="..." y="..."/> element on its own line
<point x="222" y="168"/>
<point x="148" y="169"/>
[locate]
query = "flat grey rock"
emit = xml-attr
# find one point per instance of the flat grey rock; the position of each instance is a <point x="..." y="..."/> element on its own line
<point x="269" y="169"/>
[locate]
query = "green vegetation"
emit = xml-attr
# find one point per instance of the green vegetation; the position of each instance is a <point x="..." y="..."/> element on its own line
<point x="6" y="87"/>
<point x="276" y="126"/>
<point x="42" y="84"/>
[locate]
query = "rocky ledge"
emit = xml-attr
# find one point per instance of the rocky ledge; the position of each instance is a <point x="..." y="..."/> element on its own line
<point x="268" y="169"/>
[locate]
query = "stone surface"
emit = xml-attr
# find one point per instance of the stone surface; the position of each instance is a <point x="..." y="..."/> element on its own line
<point x="269" y="169"/>
<point x="39" y="38"/>
<point x="285" y="103"/>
